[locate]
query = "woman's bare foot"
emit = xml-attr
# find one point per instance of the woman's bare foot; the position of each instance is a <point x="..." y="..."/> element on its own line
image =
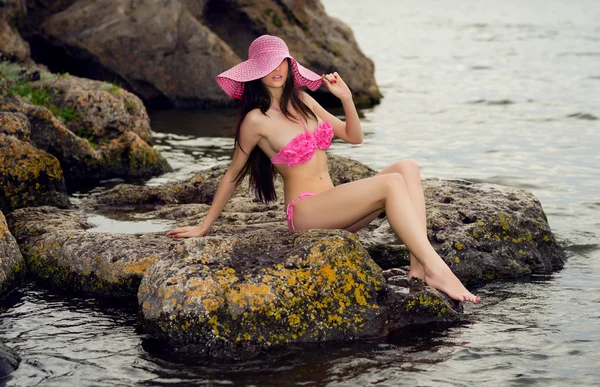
<point x="442" y="278"/>
<point x="416" y="268"/>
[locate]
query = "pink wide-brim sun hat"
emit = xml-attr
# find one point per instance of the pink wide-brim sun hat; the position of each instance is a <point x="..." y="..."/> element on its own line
<point x="264" y="55"/>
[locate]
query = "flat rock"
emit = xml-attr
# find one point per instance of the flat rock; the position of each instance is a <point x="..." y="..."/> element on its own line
<point x="59" y="252"/>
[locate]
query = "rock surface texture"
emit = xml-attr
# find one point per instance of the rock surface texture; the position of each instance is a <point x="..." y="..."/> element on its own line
<point x="28" y="176"/>
<point x="12" y="45"/>
<point x="11" y="260"/>
<point x="94" y="129"/>
<point x="482" y="231"/>
<point x="172" y="50"/>
<point x="251" y="285"/>
<point x="234" y="296"/>
<point x="60" y="252"/>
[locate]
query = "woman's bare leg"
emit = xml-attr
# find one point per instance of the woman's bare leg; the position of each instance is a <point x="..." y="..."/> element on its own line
<point x="410" y="172"/>
<point x="348" y="203"/>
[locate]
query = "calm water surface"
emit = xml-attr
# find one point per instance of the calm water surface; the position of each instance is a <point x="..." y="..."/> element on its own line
<point x="501" y="92"/>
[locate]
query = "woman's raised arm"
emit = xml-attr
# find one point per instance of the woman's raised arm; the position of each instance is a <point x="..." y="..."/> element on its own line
<point x="349" y="131"/>
<point x="249" y="137"/>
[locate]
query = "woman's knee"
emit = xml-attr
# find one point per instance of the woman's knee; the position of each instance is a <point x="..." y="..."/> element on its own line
<point x="407" y="168"/>
<point x="394" y="181"/>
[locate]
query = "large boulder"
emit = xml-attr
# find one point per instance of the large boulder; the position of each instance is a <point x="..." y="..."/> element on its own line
<point x="232" y="297"/>
<point x="181" y="45"/>
<point x="482" y="231"/>
<point x="94" y="129"/>
<point x="251" y="285"/>
<point x="11" y="260"/>
<point x="12" y="45"/>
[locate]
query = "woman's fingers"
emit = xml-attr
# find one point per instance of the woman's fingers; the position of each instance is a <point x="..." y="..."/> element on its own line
<point x="175" y="230"/>
<point x="179" y="231"/>
<point x="329" y="78"/>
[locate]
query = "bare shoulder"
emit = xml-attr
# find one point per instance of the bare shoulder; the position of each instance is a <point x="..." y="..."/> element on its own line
<point x="254" y="122"/>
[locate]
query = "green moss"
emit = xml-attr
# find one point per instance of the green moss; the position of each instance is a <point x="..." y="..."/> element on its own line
<point x="110" y="87"/>
<point x="318" y="297"/>
<point x="86" y="133"/>
<point x="426" y="303"/>
<point x="130" y="106"/>
<point x="277" y="21"/>
<point x="337" y="50"/>
<point x="491" y="276"/>
<point x="46" y="269"/>
<point x="37" y="95"/>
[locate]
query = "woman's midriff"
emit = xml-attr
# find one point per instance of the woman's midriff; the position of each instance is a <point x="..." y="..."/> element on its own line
<point x="311" y="177"/>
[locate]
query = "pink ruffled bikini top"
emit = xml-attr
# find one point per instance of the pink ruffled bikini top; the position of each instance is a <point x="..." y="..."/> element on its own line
<point x="303" y="147"/>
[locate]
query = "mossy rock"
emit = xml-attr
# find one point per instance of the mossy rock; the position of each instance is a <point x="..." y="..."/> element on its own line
<point x="233" y="297"/>
<point x="12" y="265"/>
<point x="29" y="176"/>
<point x="62" y="254"/>
<point x="95" y="131"/>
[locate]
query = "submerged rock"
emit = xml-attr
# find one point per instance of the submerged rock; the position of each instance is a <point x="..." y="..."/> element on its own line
<point x="9" y="360"/>
<point x="170" y="38"/>
<point x="11" y="260"/>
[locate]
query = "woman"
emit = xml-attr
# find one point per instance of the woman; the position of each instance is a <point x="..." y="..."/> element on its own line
<point x="281" y="129"/>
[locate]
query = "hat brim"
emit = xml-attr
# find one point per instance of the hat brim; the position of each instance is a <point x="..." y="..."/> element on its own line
<point x="232" y="80"/>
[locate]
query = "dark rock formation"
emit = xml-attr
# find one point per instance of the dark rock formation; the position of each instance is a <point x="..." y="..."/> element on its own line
<point x="11" y="260"/>
<point x="172" y="50"/>
<point x="12" y="45"/>
<point x="94" y="129"/>
<point x="9" y="361"/>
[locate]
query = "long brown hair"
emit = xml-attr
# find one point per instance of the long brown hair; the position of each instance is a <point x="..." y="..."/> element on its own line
<point x="256" y="95"/>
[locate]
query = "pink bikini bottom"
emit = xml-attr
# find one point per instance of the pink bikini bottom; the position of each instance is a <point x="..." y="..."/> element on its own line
<point x="290" y="209"/>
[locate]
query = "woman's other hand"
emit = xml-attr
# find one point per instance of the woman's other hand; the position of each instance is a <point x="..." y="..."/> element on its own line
<point x="188" y="232"/>
<point x="336" y="85"/>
